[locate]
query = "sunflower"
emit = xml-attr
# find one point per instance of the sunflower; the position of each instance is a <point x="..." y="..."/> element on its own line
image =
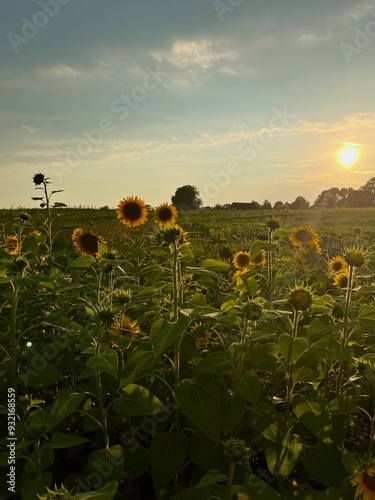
<point x="298" y="257"/>
<point x="11" y="245"/>
<point x="203" y="336"/>
<point x="259" y="260"/>
<point x="365" y="482"/>
<point x="239" y="273"/>
<point x="336" y="265"/>
<point x="165" y="215"/>
<point x="132" y="211"/>
<point x="354" y="257"/>
<point x="123" y="327"/>
<point x="86" y="243"/>
<point x="35" y="233"/>
<point x="38" y="179"/>
<point x="241" y="260"/>
<point x="300" y="297"/>
<point x="304" y="236"/>
<point x="341" y="280"/>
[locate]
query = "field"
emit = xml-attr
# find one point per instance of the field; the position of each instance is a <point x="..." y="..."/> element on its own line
<point x="229" y="357"/>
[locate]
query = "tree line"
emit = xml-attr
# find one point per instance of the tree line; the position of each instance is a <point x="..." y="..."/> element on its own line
<point x="187" y="197"/>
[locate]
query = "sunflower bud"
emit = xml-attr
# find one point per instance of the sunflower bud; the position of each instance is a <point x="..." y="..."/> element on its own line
<point x="24" y="216"/>
<point x="236" y="450"/>
<point x="300" y="297"/>
<point x="252" y="310"/>
<point x="57" y="494"/>
<point x="272" y="223"/>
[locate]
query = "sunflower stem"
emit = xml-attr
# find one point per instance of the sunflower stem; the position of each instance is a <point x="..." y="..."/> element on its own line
<point x="175" y="318"/>
<point x="230" y="481"/>
<point x="99" y="389"/>
<point x="372" y="437"/>
<point x="290" y="369"/>
<point x="270" y="264"/>
<point x="242" y="342"/>
<point x="13" y="334"/>
<point x="344" y="333"/>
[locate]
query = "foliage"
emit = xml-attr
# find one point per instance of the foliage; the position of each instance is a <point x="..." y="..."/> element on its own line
<point x="187" y="198"/>
<point x="155" y="369"/>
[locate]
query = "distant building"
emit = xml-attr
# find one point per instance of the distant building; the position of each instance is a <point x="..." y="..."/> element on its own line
<point x="237" y="205"/>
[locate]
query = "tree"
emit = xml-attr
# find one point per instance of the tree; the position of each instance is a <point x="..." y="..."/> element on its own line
<point x="266" y="205"/>
<point x="300" y="203"/>
<point x="187" y="198"/>
<point x="279" y="205"/>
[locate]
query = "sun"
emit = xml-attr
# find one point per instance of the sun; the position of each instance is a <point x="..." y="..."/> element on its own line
<point x="347" y="156"/>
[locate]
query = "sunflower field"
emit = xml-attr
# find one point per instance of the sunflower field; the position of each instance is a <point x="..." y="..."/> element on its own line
<point x="164" y="362"/>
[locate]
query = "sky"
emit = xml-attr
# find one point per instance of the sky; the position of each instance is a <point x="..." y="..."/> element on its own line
<point x="244" y="99"/>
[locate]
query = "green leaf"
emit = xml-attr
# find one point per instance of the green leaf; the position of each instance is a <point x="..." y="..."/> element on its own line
<point x="313" y="412"/>
<point x="108" y="492"/>
<point x="265" y="356"/>
<point x="213" y="362"/>
<point x="82" y="262"/>
<point x="258" y="489"/>
<point x="107" y="362"/>
<point x="31" y="488"/>
<point x="248" y="386"/>
<point x="3" y="276"/>
<point x="168" y="455"/>
<point x="343" y="405"/>
<point x="40" y="373"/>
<point x="268" y="422"/>
<point x="199" y="400"/>
<point x="206" y="454"/>
<point x="367" y="316"/>
<point x="65" y="404"/>
<point x="258" y="246"/>
<point x="61" y="440"/>
<point x="137" y="400"/>
<point x="215" y="265"/>
<point x="291" y="348"/>
<point x="213" y="476"/>
<point x="137" y="362"/>
<point x="163" y="333"/>
<point x="282" y="457"/>
<point x="233" y="407"/>
<point x="323" y="464"/>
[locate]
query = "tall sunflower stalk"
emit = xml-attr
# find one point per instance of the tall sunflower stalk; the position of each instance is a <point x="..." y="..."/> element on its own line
<point x="41" y="183"/>
<point x="272" y="224"/>
<point x="354" y="257"/>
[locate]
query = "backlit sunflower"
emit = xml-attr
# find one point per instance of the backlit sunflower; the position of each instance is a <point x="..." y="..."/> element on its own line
<point x="165" y="215"/>
<point x="124" y="327"/>
<point x="35" y="233"/>
<point x="336" y="265"/>
<point x="259" y="260"/>
<point x="340" y="280"/>
<point x="354" y="257"/>
<point x="300" y="297"/>
<point x="304" y="236"/>
<point x="241" y="260"/>
<point x="86" y="243"/>
<point x="11" y="245"/>
<point x="132" y="211"/>
<point x="365" y="482"/>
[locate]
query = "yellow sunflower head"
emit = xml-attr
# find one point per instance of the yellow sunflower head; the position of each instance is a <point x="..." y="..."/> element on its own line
<point x="337" y="265"/>
<point x="203" y="336"/>
<point x="300" y="297"/>
<point x="365" y="482"/>
<point x="132" y="211"/>
<point x="241" y="260"/>
<point x="354" y="257"/>
<point x="124" y="327"/>
<point x="174" y="234"/>
<point x="165" y="215"/>
<point x="11" y="245"/>
<point x="86" y="243"/>
<point x="239" y="274"/>
<point x="122" y="297"/>
<point x="305" y="236"/>
<point x="341" y="280"/>
<point x="259" y="260"/>
<point x="35" y="234"/>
